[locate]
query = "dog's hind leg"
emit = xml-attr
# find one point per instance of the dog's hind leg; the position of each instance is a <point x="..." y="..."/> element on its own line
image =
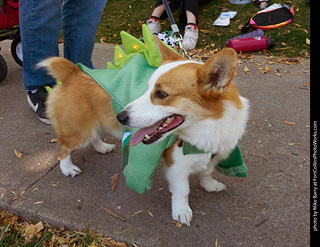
<point x="100" y="146"/>
<point x="66" y="165"/>
<point x="68" y="168"/>
<point x="208" y="183"/>
<point x="71" y="139"/>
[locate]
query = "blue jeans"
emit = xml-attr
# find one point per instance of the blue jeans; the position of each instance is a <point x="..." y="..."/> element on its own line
<point x="40" y="24"/>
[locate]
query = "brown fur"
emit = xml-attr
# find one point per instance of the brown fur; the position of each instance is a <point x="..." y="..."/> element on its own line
<point x="168" y="154"/>
<point x="78" y="107"/>
<point x="200" y="86"/>
<point x="167" y="54"/>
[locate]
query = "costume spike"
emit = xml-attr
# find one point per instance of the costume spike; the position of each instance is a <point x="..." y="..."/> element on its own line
<point x="151" y="53"/>
<point x="110" y="65"/>
<point x="131" y="44"/>
<point x="119" y="56"/>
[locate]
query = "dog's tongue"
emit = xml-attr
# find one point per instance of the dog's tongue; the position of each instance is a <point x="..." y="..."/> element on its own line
<point x="155" y="132"/>
<point x="139" y="135"/>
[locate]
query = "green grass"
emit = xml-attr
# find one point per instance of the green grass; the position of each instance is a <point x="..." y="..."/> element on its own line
<point x="24" y="233"/>
<point x="290" y="40"/>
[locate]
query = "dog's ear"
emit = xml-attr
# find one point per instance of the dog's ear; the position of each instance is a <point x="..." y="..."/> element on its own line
<point x="167" y="54"/>
<point x="215" y="75"/>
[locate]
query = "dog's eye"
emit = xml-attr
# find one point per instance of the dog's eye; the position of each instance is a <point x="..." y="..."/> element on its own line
<point x="161" y="95"/>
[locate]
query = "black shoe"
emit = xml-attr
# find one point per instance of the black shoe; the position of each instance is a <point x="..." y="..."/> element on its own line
<point x="37" y="102"/>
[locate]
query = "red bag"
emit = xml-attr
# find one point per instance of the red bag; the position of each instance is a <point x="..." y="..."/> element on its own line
<point x="271" y="19"/>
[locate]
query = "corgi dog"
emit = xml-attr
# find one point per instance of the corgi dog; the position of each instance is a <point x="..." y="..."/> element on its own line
<point x="196" y="101"/>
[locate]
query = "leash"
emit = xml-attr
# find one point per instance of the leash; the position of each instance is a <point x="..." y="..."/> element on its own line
<point x="177" y="36"/>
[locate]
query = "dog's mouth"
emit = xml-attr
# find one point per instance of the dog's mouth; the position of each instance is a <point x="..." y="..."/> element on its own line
<point x="153" y="133"/>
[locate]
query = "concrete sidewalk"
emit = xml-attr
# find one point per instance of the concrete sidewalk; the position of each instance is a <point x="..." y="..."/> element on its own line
<point x="268" y="208"/>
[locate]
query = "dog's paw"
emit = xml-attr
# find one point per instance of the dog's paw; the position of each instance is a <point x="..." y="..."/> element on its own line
<point x="182" y="213"/>
<point x="104" y="148"/>
<point x="213" y="186"/>
<point x="71" y="170"/>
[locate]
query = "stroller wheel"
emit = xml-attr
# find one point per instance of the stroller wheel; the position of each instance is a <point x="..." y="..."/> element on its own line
<point x="16" y="51"/>
<point x="3" y="69"/>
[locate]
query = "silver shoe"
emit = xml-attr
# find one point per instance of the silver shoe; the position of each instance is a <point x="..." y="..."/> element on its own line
<point x="154" y="26"/>
<point x="190" y="37"/>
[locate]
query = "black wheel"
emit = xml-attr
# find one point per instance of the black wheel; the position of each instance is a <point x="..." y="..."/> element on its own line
<point x="3" y="69"/>
<point x="16" y="51"/>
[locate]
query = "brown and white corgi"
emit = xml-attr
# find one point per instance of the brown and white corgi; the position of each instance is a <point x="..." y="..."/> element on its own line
<point x="196" y="101"/>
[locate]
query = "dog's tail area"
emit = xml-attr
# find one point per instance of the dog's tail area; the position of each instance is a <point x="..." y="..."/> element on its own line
<point x="58" y="67"/>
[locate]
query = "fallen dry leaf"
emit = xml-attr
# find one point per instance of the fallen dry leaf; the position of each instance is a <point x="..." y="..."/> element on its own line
<point x="62" y="240"/>
<point x="150" y="213"/>
<point x="38" y="227"/>
<point x="290" y="123"/>
<point x="308" y="41"/>
<point x="39" y="234"/>
<point x="122" y="23"/>
<point x="114" y="181"/>
<point x="246" y="69"/>
<point x="17" y="231"/>
<point x="30" y="229"/>
<point x="54" y="140"/>
<point x="140" y="211"/>
<point x="18" y="154"/>
<point x="266" y="70"/>
<point x="9" y="218"/>
<point x="178" y="224"/>
<point x="102" y="39"/>
<point x="62" y="229"/>
<point x="114" y="214"/>
<point x="53" y="240"/>
<point x="205" y="31"/>
<point x="19" y="195"/>
<point x="246" y="56"/>
<point x="40" y="202"/>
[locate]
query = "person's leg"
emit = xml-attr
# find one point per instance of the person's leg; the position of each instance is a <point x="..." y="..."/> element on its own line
<point x="191" y="17"/>
<point x="191" y="11"/>
<point x="80" y="21"/>
<point x="40" y="24"/>
<point x="191" y="30"/>
<point x="158" y="11"/>
<point x="153" y="23"/>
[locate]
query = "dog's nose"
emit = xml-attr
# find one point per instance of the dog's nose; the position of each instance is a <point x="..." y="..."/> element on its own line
<point x="123" y="117"/>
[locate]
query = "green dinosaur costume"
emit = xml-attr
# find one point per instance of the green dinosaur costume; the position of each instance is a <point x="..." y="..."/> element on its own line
<point x="126" y="81"/>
